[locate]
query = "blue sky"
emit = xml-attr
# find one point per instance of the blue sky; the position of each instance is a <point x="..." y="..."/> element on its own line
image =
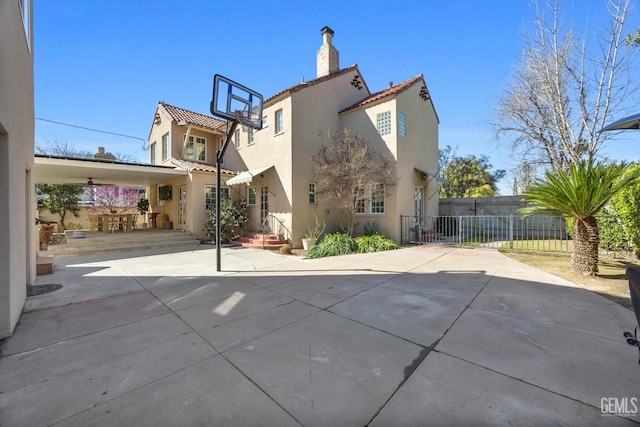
<point x="105" y="64"/>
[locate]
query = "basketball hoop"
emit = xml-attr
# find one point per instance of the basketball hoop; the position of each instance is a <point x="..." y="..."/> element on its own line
<point x="248" y="119"/>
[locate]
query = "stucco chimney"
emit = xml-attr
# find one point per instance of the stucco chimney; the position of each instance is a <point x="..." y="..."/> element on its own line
<point x="101" y="155"/>
<point x="328" y="57"/>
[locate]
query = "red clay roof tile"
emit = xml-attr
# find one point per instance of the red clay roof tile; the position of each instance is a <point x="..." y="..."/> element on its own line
<point x="180" y="114"/>
<point x="190" y="166"/>
<point x="315" y="81"/>
<point x="394" y="90"/>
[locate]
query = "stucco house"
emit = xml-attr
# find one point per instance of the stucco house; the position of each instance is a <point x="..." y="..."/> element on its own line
<point x="271" y="168"/>
<point x="17" y="197"/>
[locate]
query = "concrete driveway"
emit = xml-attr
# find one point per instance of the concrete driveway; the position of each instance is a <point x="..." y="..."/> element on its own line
<point x="416" y="337"/>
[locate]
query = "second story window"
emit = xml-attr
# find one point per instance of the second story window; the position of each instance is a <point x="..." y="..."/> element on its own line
<point x="312" y="193"/>
<point x="165" y="147"/>
<point x="152" y="154"/>
<point x="402" y="125"/>
<point x="237" y="139"/>
<point x="195" y="149"/>
<point x="279" y="122"/>
<point x="251" y="196"/>
<point x="384" y="123"/>
<point x="251" y="136"/>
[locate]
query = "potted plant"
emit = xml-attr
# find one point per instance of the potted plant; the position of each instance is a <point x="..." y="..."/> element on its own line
<point x="74" y="231"/>
<point x="143" y="208"/>
<point x="313" y="234"/>
<point x="46" y="234"/>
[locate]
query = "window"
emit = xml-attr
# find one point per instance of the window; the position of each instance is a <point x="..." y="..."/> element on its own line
<point x="372" y="196"/>
<point x="359" y="199"/>
<point x="195" y="149"/>
<point x="251" y="135"/>
<point x="312" y="193"/>
<point x="377" y="198"/>
<point x="165" y="147"/>
<point x="152" y="154"/>
<point x="26" y="19"/>
<point x="402" y="130"/>
<point x="251" y="196"/>
<point x="237" y="139"/>
<point x="384" y="123"/>
<point x="265" y="122"/>
<point x="210" y="196"/>
<point x="279" y="122"/>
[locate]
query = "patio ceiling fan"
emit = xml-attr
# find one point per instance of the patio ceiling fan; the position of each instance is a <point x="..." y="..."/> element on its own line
<point x="89" y="183"/>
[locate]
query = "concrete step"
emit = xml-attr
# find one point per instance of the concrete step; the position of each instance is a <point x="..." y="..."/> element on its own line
<point x="100" y="243"/>
<point x="260" y="241"/>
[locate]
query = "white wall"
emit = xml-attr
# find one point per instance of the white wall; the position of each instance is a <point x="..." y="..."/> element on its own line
<point x="18" y="243"/>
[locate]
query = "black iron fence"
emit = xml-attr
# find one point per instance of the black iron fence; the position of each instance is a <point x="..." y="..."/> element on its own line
<point x="512" y="232"/>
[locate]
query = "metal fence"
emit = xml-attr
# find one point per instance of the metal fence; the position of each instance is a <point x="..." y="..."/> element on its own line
<point x="510" y="232"/>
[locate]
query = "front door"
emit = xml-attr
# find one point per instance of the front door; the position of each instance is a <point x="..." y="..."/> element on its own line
<point x="182" y="207"/>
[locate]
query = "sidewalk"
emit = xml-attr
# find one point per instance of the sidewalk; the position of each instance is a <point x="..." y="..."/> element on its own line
<point x="419" y="336"/>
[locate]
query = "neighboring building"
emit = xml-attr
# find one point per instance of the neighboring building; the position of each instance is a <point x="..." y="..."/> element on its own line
<point x="278" y="183"/>
<point x="18" y="243"/>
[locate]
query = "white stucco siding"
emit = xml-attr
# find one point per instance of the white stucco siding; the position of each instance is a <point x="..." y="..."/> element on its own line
<point x="18" y="233"/>
<point x="315" y="112"/>
<point x="271" y="149"/>
<point x="363" y="121"/>
<point x="418" y="149"/>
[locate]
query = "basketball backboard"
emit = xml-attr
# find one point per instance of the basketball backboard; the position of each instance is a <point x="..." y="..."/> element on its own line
<point x="236" y="102"/>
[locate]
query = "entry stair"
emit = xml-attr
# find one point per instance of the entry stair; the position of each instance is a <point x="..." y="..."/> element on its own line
<point x="268" y="241"/>
<point x="106" y="243"/>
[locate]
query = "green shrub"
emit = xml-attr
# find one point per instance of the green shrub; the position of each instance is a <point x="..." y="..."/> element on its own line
<point x="343" y="244"/>
<point x="333" y="244"/>
<point x="233" y="216"/>
<point x="370" y="228"/>
<point x="375" y="243"/>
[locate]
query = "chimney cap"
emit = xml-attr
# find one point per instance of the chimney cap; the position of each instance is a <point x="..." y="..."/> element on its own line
<point x="326" y="29"/>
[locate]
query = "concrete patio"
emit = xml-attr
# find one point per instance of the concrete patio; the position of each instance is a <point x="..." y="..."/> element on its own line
<point x="421" y="336"/>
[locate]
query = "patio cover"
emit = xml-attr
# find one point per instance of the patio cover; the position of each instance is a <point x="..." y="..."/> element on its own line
<point x="247" y="176"/>
<point x="631" y="122"/>
<point x="435" y="175"/>
<point x="63" y="170"/>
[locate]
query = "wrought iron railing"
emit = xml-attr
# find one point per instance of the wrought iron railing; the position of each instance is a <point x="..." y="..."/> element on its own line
<point x="507" y="232"/>
<point x="513" y="232"/>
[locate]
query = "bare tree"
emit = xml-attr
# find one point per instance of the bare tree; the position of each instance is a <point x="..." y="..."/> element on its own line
<point x="564" y="90"/>
<point x="64" y="148"/>
<point x="61" y="148"/>
<point x="350" y="173"/>
<point x="523" y="176"/>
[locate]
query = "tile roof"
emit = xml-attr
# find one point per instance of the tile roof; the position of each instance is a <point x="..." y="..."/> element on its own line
<point x="393" y="90"/>
<point x="316" y="81"/>
<point x="190" y="166"/>
<point x="180" y="114"/>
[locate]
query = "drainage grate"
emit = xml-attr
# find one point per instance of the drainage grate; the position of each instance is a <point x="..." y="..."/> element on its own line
<point x="41" y="289"/>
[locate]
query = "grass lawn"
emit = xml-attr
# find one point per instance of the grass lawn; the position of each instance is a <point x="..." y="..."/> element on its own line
<point x="611" y="282"/>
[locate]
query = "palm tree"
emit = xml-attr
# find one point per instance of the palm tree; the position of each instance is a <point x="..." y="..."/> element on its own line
<point x="579" y="194"/>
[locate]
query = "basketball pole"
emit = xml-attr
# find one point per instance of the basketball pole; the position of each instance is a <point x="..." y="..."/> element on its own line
<point x="219" y="161"/>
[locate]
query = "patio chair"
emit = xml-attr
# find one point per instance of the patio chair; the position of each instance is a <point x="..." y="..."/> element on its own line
<point x="633" y="274"/>
<point x="94" y="222"/>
